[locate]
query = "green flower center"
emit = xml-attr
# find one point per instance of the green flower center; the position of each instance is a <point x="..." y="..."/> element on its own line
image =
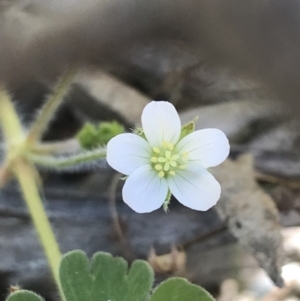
<point x="166" y="161"/>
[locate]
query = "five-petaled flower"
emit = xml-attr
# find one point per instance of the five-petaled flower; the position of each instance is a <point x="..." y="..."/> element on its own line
<point x="161" y="162"/>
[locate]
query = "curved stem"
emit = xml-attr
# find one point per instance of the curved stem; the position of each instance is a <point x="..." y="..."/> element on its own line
<point x="51" y="105"/>
<point x="27" y="179"/>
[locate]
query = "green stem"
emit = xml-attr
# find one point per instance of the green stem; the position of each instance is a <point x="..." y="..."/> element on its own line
<point x="11" y="124"/>
<point x="51" y="105"/>
<point x="57" y="147"/>
<point x="70" y="161"/>
<point x="26" y="177"/>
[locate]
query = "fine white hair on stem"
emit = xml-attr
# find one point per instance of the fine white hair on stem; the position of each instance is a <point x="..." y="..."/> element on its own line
<point x="82" y="161"/>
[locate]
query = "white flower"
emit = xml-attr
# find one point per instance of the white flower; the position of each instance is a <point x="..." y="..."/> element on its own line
<point x="162" y="162"/>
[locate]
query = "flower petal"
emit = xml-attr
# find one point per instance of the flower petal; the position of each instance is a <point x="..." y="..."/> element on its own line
<point x="127" y="152"/>
<point x="195" y="188"/>
<point x="144" y="191"/>
<point x="208" y="147"/>
<point x="161" y="122"/>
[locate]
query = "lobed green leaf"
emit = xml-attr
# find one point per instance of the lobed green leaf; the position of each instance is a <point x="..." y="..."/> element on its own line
<point x="105" y="278"/>
<point x="179" y="289"/>
<point x="24" y="295"/>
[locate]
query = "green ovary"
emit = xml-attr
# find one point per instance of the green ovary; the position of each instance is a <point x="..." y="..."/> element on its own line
<point x="166" y="161"/>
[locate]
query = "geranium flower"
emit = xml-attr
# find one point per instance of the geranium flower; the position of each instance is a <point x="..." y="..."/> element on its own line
<point x="159" y="162"/>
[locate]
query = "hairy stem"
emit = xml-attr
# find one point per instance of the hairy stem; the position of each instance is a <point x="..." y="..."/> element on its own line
<point x="12" y="128"/>
<point x="26" y="177"/>
<point x="51" y="105"/>
<point x="71" y="161"/>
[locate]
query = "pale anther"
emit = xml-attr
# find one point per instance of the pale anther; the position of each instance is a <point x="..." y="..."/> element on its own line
<point x="158" y="167"/>
<point x="165" y="144"/>
<point x="172" y="173"/>
<point x="170" y="146"/>
<point x="156" y="150"/>
<point x="154" y="159"/>
<point x="161" y="174"/>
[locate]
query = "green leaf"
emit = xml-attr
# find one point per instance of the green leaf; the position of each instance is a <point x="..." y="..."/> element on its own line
<point x="105" y="278"/>
<point x="91" y="136"/>
<point x="108" y="130"/>
<point x="179" y="289"/>
<point x="188" y="128"/>
<point x="23" y="295"/>
<point x="87" y="136"/>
